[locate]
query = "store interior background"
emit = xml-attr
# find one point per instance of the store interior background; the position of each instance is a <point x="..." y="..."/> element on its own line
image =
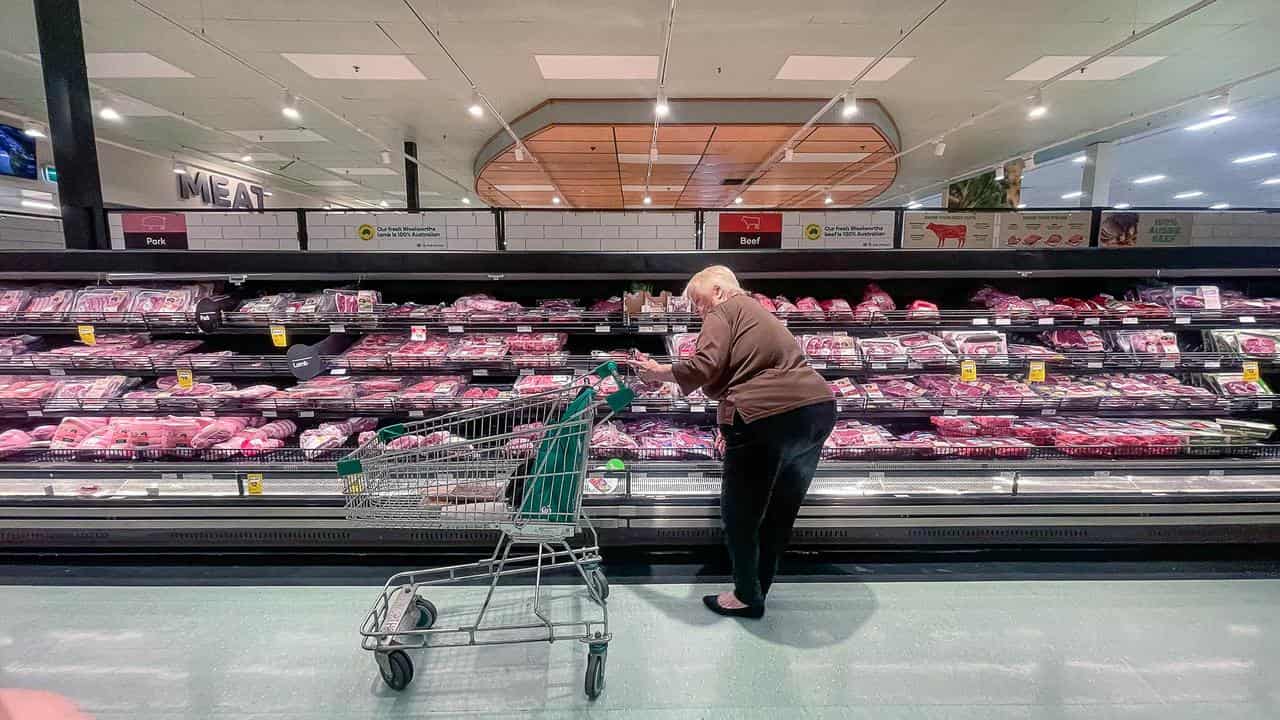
<point x="196" y="83"/>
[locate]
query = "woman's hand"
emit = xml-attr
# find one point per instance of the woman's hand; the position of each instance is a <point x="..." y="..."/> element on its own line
<point x="651" y="370"/>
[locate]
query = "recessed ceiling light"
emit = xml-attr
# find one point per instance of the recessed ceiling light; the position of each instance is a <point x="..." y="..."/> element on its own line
<point x="827" y="200"/>
<point x="109" y="113"/>
<point x="661" y="107"/>
<point x="597" y="67"/>
<point x="1148" y="179"/>
<point x="1121" y="206"/>
<point x="1219" y="206"/>
<point x="1036" y="103"/>
<point x="647" y="200"/>
<point x="1188" y="194"/>
<point x="1212" y="122"/>
<point x="384" y="203"/>
<point x="385" y="157"/>
<point x="1271" y="181"/>
<point x="33" y="131"/>
<point x="466" y="201"/>
<point x="1073" y="195"/>
<point x="849" y="108"/>
<point x="179" y="170"/>
<point x="939" y="148"/>
<point x="1079" y="159"/>
<point x="1254" y="158"/>
<point x="913" y="205"/>
<point x="246" y="158"/>
<point x="1021" y="205"/>
<point x="737" y="200"/>
<point x="555" y="199"/>
<point x="1038" y="111"/>
<point x="476" y="108"/>
<point x="266" y="193"/>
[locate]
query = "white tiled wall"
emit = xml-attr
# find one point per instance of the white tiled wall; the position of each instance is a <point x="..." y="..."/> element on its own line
<point x="1228" y="228"/>
<point x="31" y="233"/>
<point x="469" y="230"/>
<point x="269" y="230"/>
<point x="654" y="230"/>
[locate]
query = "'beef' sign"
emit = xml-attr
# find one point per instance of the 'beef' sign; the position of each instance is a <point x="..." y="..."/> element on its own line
<point x="750" y="231"/>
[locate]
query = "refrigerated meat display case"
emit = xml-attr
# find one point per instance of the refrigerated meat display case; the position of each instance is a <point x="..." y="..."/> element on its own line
<point x="200" y="400"/>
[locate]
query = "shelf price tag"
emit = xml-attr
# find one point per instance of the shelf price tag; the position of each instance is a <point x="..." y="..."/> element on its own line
<point x="86" y="334"/>
<point x="524" y="328"/>
<point x="1045" y="321"/>
<point x="456" y="329"/>
<point x="338" y="329"/>
<point x="1003" y="321"/>
<point x="1247" y="320"/>
<point x="981" y="321"/>
<point x="253" y="483"/>
<point x="1250" y="371"/>
<point x="1182" y="320"/>
<point x="680" y="328"/>
<point x="279" y="336"/>
<point x="968" y="371"/>
<point x="185" y="381"/>
<point x="1091" y="321"/>
<point x="1129" y="321"/>
<point x="603" y="329"/>
<point x="1035" y="371"/>
<point x="418" y="333"/>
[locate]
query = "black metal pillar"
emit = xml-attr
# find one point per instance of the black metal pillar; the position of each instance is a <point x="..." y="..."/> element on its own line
<point x="75" y="152"/>
<point x="411" y="175"/>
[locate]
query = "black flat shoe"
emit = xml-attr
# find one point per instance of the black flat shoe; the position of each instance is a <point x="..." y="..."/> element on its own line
<point x="713" y="604"/>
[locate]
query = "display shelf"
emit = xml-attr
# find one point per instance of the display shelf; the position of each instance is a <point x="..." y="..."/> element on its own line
<point x="1074" y="363"/>
<point x="386" y="319"/>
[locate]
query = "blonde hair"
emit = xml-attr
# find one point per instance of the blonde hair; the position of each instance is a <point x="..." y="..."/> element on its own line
<point x="716" y="276"/>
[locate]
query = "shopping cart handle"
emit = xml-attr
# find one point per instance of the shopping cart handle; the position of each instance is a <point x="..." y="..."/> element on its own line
<point x="391" y="432"/>
<point x="623" y="397"/>
<point x="349" y="467"/>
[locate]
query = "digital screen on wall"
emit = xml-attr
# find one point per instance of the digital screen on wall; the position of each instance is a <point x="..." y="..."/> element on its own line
<point x="17" y="153"/>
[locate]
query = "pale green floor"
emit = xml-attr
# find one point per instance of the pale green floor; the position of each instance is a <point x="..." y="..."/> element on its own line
<point x="968" y="650"/>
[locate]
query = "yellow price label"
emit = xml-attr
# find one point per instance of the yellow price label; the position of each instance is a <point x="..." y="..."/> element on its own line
<point x="1250" y="371"/>
<point x="185" y="380"/>
<point x="1035" y="372"/>
<point x="279" y="337"/>
<point x="86" y="334"/>
<point x="968" y="371"/>
<point x="253" y="483"/>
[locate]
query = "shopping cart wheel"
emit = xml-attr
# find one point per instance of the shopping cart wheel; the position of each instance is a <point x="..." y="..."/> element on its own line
<point x="427" y="613"/>
<point x="598" y="582"/>
<point x="595" y="672"/>
<point x="397" y="672"/>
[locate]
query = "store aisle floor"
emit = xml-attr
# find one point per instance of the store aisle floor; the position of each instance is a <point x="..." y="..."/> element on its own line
<point x="954" y="650"/>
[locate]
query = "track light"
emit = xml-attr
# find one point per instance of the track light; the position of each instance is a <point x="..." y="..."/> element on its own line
<point x="737" y="200"/>
<point x="1000" y="173"/>
<point x="385" y="157"/>
<point x="788" y="154"/>
<point x="939" y="148"/>
<point x="33" y="132"/>
<point x="476" y="108"/>
<point x="519" y="154"/>
<point x="661" y="108"/>
<point x="653" y="154"/>
<point x="289" y="108"/>
<point x="1038" y="108"/>
<point x="246" y="158"/>
<point x="647" y="200"/>
<point x="849" y="106"/>
<point x="109" y="113"/>
<point x="1029" y="162"/>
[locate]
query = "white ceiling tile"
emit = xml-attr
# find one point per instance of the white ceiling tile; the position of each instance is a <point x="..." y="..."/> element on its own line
<point x="118" y="65"/>
<point x="355" y="67"/>
<point x="363" y="171"/>
<point x="279" y="136"/>
<point x="1107" y="68"/>
<point x="598" y="67"/>
<point x="130" y="107"/>
<point x="835" y="67"/>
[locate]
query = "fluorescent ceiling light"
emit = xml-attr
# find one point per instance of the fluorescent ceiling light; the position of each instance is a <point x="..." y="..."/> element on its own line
<point x="1121" y="206"/>
<point x="109" y="113"/>
<point x="1073" y="195"/>
<point x="1271" y="181"/>
<point x="525" y="188"/>
<point x="1079" y="159"/>
<point x="246" y="158"/>
<point x="38" y="205"/>
<point x="1148" y="179"/>
<point x="643" y="159"/>
<point x="1188" y="194"/>
<point x="1038" y="111"/>
<point x="1254" y="158"/>
<point x="737" y="200"/>
<point x="1108" y="68"/>
<point x="914" y="205"/>
<point x="647" y="200"/>
<point x="466" y="201"/>
<point x="839" y="67"/>
<point x="1021" y="205"/>
<point x="827" y="200"/>
<point x="826" y="157"/>
<point x="1212" y="122"/>
<point x="597" y="67"/>
<point x="1219" y="206"/>
<point x="363" y="171"/>
<point x="355" y="67"/>
<point x="279" y="136"/>
<point x="555" y="200"/>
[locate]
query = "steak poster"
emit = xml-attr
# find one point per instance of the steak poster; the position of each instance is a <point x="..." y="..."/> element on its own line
<point x="1044" y="230"/>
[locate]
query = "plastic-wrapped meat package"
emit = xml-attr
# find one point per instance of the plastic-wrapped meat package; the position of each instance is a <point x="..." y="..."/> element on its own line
<point x="380" y="383"/>
<point x="1149" y="342"/>
<point x="608" y="439"/>
<point x="149" y="437"/>
<point x="371" y="350"/>
<point x="1234" y="385"/>
<point x="603" y="386"/>
<point x="223" y="429"/>
<point x="103" y="300"/>
<point x="536" y="343"/>
<point x="660" y="391"/>
<point x="844" y="389"/>
<point x="18" y="345"/>
<point x="1068" y="390"/>
<point x="1132" y="308"/>
<point x="328" y="387"/>
<point x="809" y="306"/>
<point x="836" y="307"/>
<point x="850" y="439"/>
<point x="414" y="310"/>
<point x="91" y="388"/>
<point x="1033" y="352"/>
<point x="420" y="353"/>
<point x="1037" y="432"/>
<point x="784" y="306"/>
<point x="14" y="441"/>
<point x="990" y="346"/>
<point x="43" y="433"/>
<point x="73" y="430"/>
<point x="14" y="300"/>
<point x="608" y="305"/>
<point x="433" y="389"/>
<point x="251" y="393"/>
<point x="350" y="302"/>
<point x="106" y="441"/>
<point x="765" y="302"/>
<point x="663" y="440"/>
<point x="1047" y="308"/>
<point x="868" y="312"/>
<point x="682" y="345"/>
<point x="481" y="393"/>
<point x="266" y="304"/>
<point x="995" y="425"/>
<point x="1082" y="307"/>
<point x="480" y="306"/>
<point x="837" y="349"/>
<point x="525" y="439"/>
<point x="874" y="295"/>
<point x="534" y="384"/>
<point x="51" y="301"/>
<point x="148" y="301"/>
<point x="924" y="347"/>
<point x="956" y="426"/>
<point x="1195" y="297"/>
<point x="1258" y="343"/>
<point x="881" y="349"/>
<point x="922" y="310"/>
<point x="1074" y="340"/>
<point x="184" y="430"/>
<point x="1007" y="391"/>
<point x="21" y="388"/>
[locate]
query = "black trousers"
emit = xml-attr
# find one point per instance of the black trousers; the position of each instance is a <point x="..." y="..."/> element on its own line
<point x="768" y="466"/>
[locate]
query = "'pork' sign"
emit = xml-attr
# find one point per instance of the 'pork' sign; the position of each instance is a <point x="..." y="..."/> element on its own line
<point x="220" y="191"/>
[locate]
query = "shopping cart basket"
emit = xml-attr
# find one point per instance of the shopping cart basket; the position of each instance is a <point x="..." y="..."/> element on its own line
<point x="517" y="467"/>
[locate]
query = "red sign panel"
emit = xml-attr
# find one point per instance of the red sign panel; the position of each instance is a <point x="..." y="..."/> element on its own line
<point x="154" y="231"/>
<point x="750" y="231"/>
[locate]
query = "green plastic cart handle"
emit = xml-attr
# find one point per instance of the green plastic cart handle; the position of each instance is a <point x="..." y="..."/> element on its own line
<point x="619" y="400"/>
<point x="349" y="467"/>
<point x="391" y="432"/>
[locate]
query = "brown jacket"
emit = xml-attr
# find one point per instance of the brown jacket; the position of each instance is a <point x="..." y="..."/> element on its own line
<point x="750" y="362"/>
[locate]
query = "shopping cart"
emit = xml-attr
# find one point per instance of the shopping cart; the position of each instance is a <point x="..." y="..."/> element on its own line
<point x="517" y="467"/>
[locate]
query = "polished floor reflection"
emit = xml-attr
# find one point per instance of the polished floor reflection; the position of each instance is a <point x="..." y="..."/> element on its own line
<point x="968" y="650"/>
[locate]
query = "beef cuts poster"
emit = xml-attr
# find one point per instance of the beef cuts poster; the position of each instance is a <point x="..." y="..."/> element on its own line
<point x="750" y="231"/>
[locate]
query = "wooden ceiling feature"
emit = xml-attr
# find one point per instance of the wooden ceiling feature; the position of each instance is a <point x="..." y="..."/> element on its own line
<point x="602" y="166"/>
